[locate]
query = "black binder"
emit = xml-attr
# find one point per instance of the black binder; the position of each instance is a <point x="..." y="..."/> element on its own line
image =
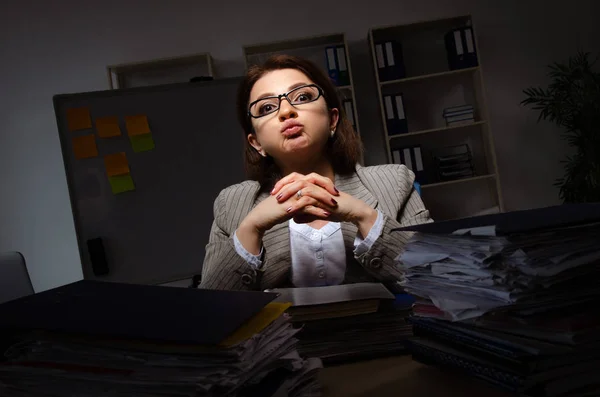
<point x="460" y="48"/>
<point x="518" y="221"/>
<point x="131" y="311"/>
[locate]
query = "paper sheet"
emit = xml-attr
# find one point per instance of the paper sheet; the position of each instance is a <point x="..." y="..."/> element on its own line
<point x="108" y="127"/>
<point x="85" y="146"/>
<point x="257" y="323"/>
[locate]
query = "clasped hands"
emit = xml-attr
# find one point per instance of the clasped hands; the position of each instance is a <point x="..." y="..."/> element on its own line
<point x="307" y="198"/>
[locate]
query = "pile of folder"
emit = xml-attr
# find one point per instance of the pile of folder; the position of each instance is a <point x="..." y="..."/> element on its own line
<point x="510" y="298"/>
<point x="109" y="339"/>
<point x="459" y="115"/>
<point x="454" y="162"/>
<point x="349" y="322"/>
<point x="337" y="65"/>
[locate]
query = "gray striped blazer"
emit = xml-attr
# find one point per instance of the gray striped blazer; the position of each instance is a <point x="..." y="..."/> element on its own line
<point x="388" y="188"/>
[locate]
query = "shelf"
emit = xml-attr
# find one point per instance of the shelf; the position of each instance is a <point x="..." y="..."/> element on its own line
<point x="343" y="87"/>
<point x="160" y="71"/>
<point x="463" y="180"/>
<point x="286" y="45"/>
<point x="454" y="127"/>
<point x="431" y="76"/>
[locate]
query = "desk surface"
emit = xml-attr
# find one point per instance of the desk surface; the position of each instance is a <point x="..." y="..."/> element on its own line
<point x="399" y="376"/>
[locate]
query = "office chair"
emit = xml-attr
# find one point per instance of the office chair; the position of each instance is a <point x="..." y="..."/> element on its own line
<point x="14" y="278"/>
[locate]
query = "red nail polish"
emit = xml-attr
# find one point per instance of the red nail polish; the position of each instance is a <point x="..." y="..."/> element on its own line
<point x="326" y="213"/>
<point x="333" y="201"/>
<point x="289" y="209"/>
<point x="279" y="196"/>
<point x="336" y="189"/>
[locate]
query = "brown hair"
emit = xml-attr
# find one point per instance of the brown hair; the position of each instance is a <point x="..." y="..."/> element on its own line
<point x="344" y="150"/>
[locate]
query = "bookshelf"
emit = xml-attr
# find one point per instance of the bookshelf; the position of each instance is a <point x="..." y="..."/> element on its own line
<point x="160" y="71"/>
<point x="312" y="48"/>
<point x="419" y="74"/>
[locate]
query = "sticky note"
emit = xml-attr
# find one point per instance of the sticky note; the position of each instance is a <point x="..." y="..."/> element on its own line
<point x="142" y="143"/>
<point x="78" y="119"/>
<point x="108" y="127"/>
<point x="137" y="125"/>
<point x="85" y="146"/>
<point x="116" y="164"/>
<point x="121" y="183"/>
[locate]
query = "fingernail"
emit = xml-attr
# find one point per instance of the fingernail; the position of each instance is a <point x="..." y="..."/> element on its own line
<point x="289" y="209"/>
<point x="333" y="201"/>
<point x="273" y="191"/>
<point x="336" y="189"/>
<point x="326" y="213"/>
<point x="280" y="195"/>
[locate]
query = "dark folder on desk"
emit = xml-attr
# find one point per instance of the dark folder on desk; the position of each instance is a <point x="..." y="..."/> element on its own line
<point x="507" y="223"/>
<point x="181" y="315"/>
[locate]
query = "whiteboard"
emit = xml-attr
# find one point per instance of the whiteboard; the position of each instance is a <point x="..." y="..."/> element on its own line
<point x="156" y="233"/>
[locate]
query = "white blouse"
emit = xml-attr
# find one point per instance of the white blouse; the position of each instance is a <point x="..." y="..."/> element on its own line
<point x="318" y="255"/>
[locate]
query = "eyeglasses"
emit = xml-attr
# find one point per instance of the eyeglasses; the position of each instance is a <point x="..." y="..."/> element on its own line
<point x="298" y="96"/>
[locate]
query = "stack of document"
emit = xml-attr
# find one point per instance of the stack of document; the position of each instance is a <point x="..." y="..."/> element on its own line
<point x="259" y="356"/>
<point x="459" y="115"/>
<point x="348" y="322"/>
<point x="510" y="298"/>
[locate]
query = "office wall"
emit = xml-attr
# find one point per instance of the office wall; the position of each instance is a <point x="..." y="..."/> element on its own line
<point x="58" y="47"/>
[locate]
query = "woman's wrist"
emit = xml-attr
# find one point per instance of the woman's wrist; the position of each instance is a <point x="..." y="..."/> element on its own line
<point x="365" y="220"/>
<point x="250" y="236"/>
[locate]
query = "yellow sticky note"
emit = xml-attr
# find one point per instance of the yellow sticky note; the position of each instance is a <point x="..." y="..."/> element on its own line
<point x="121" y="183"/>
<point x="137" y="125"/>
<point x="108" y="127"/>
<point x="142" y="143"/>
<point x="116" y="164"/>
<point x="78" y="119"/>
<point x="85" y="146"/>
<point x="256" y="324"/>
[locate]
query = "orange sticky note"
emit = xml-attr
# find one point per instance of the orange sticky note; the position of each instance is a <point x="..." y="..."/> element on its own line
<point x="137" y="125"/>
<point x="108" y="127"/>
<point x="116" y="164"/>
<point x="85" y="146"/>
<point x="78" y="119"/>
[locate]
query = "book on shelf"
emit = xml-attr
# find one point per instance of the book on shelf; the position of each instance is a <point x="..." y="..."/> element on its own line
<point x="395" y="114"/>
<point x="459" y="115"/>
<point x="412" y="158"/>
<point x="454" y="162"/>
<point x="390" y="62"/>
<point x="460" y="48"/>
<point x="337" y="65"/>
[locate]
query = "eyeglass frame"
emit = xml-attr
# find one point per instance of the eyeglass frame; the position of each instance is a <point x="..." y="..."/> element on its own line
<point x="285" y="95"/>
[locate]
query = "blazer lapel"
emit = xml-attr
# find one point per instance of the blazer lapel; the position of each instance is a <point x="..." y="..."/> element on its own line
<point x="352" y="185"/>
<point x="276" y="243"/>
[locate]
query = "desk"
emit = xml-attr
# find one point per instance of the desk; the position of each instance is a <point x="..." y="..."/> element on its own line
<point x="400" y="376"/>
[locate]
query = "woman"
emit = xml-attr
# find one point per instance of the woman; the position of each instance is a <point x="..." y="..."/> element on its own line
<point x="309" y="215"/>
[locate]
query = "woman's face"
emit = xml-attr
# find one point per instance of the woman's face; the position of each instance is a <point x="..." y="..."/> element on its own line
<point x="291" y="133"/>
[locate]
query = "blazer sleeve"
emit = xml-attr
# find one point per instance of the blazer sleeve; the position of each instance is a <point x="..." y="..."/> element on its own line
<point x="223" y="267"/>
<point x="379" y="260"/>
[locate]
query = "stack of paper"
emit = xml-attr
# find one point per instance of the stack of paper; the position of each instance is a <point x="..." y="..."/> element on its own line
<point x="350" y="321"/>
<point x="510" y="298"/>
<point x="259" y="357"/>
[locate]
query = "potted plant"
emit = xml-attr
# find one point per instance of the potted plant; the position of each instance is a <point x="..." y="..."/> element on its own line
<point x="572" y="101"/>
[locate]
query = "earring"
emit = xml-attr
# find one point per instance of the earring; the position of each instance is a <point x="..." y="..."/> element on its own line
<point x="332" y="133"/>
<point x="262" y="153"/>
